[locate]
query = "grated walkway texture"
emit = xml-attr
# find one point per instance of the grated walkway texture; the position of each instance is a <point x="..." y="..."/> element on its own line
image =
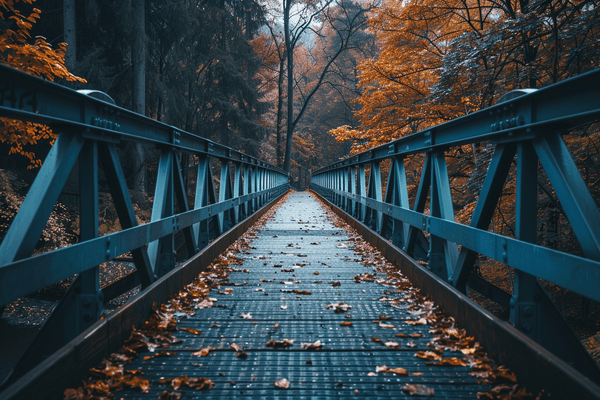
<point x="339" y="369"/>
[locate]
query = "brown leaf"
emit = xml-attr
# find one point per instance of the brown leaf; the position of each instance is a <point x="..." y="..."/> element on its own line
<point x="200" y="383"/>
<point x="346" y="323"/>
<point x="203" y="352"/>
<point x="334" y="284"/>
<point x="190" y="330"/>
<point x="169" y="396"/>
<point x="428" y="355"/>
<point x="241" y="354"/>
<point x="418" y="390"/>
<point x="279" y="343"/>
<point x="312" y="346"/>
<point x="282" y="383"/>
<point x="374" y="339"/>
<point x="303" y="292"/>
<point x="382" y="368"/>
<point x="135" y="382"/>
<point x="451" y="361"/>
<point x="394" y="345"/>
<point x="236" y="347"/>
<point x="420" y="321"/>
<point x="398" y="371"/>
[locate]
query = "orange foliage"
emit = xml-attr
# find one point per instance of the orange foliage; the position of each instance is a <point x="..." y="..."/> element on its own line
<point x="442" y="59"/>
<point x="37" y="58"/>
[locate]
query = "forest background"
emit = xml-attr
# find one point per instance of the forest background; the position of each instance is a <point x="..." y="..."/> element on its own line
<point x="358" y="72"/>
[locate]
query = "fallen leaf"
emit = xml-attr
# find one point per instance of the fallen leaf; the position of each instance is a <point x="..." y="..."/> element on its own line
<point x="279" y="343"/>
<point x="398" y="371"/>
<point x="339" y="307"/>
<point x="190" y="330"/>
<point x="303" y="292"/>
<point x="394" y="345"/>
<point x="377" y="340"/>
<point x="170" y="396"/>
<point x="246" y="316"/>
<point x="428" y="355"/>
<point x="382" y="368"/>
<point x="312" y="346"/>
<point x="203" y="352"/>
<point x="371" y="374"/>
<point x="452" y="361"/>
<point x="346" y="323"/>
<point x="334" y="284"/>
<point x="418" y="390"/>
<point x="284" y="307"/>
<point x="282" y="383"/>
<point x="420" y="321"/>
<point x="236" y="347"/>
<point x="135" y="382"/>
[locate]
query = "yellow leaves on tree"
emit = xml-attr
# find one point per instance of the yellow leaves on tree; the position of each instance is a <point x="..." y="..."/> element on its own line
<point x="34" y="56"/>
<point x="412" y="37"/>
<point x="443" y="59"/>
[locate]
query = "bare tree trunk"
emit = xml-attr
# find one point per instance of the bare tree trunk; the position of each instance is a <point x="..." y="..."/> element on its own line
<point x="290" y="87"/>
<point x="138" y="57"/>
<point x="280" y="111"/>
<point x="69" y="33"/>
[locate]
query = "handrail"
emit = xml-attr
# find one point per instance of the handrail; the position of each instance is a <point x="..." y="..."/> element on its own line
<point x="524" y="129"/>
<point x="89" y="130"/>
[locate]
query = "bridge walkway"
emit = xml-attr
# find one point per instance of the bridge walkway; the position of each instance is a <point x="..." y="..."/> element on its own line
<point x="294" y="269"/>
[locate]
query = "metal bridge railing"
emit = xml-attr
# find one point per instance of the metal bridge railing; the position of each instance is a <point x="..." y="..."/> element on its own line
<point x="526" y="130"/>
<point x="89" y="131"/>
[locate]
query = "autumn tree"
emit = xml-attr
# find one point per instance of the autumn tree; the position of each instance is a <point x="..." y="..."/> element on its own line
<point x="441" y="60"/>
<point x="32" y="55"/>
<point x="302" y="22"/>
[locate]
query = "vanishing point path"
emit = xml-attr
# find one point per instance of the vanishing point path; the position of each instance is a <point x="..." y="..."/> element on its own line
<point x="299" y="263"/>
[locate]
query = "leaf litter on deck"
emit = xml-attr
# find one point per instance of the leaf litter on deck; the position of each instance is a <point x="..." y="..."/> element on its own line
<point x="158" y="331"/>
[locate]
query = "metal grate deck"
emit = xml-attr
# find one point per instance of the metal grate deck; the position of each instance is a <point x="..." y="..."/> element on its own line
<point x="340" y="368"/>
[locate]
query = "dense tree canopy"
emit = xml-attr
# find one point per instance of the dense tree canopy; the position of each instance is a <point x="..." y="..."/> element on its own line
<point x="443" y="59"/>
<point x="35" y="56"/>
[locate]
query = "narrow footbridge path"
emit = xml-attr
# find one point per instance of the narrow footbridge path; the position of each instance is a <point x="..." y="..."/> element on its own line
<point x="300" y="265"/>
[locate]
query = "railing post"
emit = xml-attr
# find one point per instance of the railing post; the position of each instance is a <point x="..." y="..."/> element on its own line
<point x="224" y="194"/>
<point x="353" y="204"/>
<point x="160" y="251"/>
<point x="89" y="304"/>
<point x="362" y="191"/>
<point x="374" y="218"/>
<point x="246" y="190"/>
<point x="442" y="253"/>
<point x="524" y="310"/>
<point x="237" y="183"/>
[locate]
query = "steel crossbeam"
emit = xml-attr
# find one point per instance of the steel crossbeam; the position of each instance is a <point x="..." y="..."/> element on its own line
<point x="89" y="131"/>
<point x="526" y="131"/>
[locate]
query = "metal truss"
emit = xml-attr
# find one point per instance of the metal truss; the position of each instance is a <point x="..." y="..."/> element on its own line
<point x="527" y="131"/>
<point x="89" y="131"/>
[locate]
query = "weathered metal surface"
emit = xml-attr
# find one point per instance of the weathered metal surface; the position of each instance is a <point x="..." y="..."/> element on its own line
<point x="538" y="368"/>
<point x="69" y="365"/>
<point x="89" y="129"/>
<point x="527" y="131"/>
<point x="340" y="369"/>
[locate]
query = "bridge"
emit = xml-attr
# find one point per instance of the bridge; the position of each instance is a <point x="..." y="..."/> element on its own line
<point x="250" y="289"/>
